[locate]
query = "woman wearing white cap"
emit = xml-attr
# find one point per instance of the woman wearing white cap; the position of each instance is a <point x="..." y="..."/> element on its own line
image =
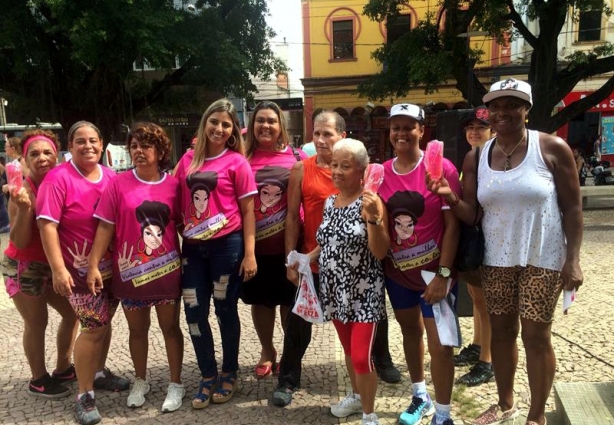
<point x="424" y="236"/>
<point x="532" y="221"/>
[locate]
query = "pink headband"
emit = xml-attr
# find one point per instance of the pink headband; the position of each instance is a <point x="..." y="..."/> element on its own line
<point x="32" y="139"/>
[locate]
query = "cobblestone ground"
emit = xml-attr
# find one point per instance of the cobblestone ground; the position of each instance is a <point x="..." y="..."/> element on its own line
<point x="582" y="339"/>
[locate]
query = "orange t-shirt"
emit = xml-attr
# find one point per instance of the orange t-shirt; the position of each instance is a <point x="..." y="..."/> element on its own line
<point x="316" y="187"/>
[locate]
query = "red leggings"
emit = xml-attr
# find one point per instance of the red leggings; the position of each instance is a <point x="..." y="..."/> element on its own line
<point x="357" y="341"/>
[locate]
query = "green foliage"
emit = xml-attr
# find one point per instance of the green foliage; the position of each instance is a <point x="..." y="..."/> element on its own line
<point x="73" y="59"/>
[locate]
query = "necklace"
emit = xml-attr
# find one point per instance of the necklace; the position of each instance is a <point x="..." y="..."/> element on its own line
<point x="508" y="156"/>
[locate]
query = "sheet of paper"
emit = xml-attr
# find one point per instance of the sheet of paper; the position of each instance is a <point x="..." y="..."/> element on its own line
<point x="568" y="298"/>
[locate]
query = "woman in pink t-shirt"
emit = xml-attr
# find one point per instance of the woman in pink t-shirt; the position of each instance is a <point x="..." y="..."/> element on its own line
<point x="216" y="194"/>
<point x="65" y="212"/>
<point x="271" y="157"/>
<point x="139" y="213"/>
<point x="424" y="236"/>
<point x="27" y="275"/>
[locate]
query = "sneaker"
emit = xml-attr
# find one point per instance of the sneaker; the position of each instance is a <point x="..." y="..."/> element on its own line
<point x="67" y="376"/>
<point x="346" y="407"/>
<point x="481" y="372"/>
<point x="86" y="412"/>
<point x="111" y="382"/>
<point x="174" y="397"/>
<point x="494" y="415"/>
<point x="137" y="395"/>
<point x="5" y="229"/>
<point x="418" y="409"/>
<point x="46" y="387"/>
<point x="370" y="419"/>
<point x="388" y="373"/>
<point x="282" y="396"/>
<point x="468" y="356"/>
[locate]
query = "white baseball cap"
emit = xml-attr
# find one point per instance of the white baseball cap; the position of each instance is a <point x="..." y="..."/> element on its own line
<point x="509" y="87"/>
<point x="409" y="110"/>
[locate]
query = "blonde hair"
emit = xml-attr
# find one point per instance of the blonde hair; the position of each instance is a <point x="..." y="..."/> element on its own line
<point x="200" y="150"/>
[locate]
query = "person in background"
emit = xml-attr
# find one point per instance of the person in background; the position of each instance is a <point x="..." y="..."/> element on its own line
<point x="216" y="195"/>
<point x="309" y="148"/>
<point x="529" y="195"/>
<point x="424" y="236"/>
<point x="476" y="128"/>
<point x="12" y="148"/>
<point x="310" y="184"/>
<point x="27" y="275"/>
<point x="138" y="212"/>
<point x="271" y="158"/>
<point x="352" y="241"/>
<point x="581" y="167"/>
<point x="4" y="215"/>
<point x="65" y="212"/>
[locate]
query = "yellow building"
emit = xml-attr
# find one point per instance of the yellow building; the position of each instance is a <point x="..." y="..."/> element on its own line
<point x="338" y="41"/>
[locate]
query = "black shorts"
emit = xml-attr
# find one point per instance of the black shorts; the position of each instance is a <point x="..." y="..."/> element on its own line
<point x="269" y="287"/>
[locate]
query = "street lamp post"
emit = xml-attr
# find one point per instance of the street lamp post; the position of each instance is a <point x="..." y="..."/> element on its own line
<point x="468" y="36"/>
<point x="3" y="104"/>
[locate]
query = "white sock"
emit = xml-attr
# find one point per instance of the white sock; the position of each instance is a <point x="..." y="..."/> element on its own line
<point x="442" y="412"/>
<point x="419" y="389"/>
<point x="90" y="392"/>
<point x="99" y="374"/>
<point x="357" y="396"/>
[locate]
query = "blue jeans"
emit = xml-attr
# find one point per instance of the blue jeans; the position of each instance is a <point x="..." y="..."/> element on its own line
<point x="211" y="269"/>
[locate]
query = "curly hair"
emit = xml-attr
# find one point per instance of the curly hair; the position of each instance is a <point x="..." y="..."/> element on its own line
<point x="151" y="134"/>
<point x="38" y="132"/>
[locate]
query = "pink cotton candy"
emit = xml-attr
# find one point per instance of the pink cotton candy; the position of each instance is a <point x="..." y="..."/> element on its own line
<point x="14" y="176"/>
<point x="434" y="159"/>
<point x="374" y="176"/>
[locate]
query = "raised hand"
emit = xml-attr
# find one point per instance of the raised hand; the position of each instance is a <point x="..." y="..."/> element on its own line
<point x="80" y="260"/>
<point x="124" y="261"/>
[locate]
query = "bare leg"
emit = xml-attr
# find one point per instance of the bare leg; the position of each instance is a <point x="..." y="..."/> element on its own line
<point x="33" y="310"/>
<point x="504" y="349"/>
<point x="89" y="355"/>
<point x="442" y="363"/>
<point x="476" y="318"/>
<point x="482" y="332"/>
<point x="367" y="388"/>
<point x="67" y="330"/>
<point x="541" y="365"/>
<point x="139" y="322"/>
<point x="264" y="323"/>
<point x="168" y="319"/>
<point x="412" y="329"/>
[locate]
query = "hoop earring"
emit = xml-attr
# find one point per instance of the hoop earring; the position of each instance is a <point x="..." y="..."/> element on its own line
<point x="234" y="141"/>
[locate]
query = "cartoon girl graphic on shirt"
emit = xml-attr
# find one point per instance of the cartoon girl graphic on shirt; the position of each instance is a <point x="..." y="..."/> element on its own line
<point x="272" y="183"/>
<point x="406" y="207"/>
<point x="153" y="218"/>
<point x="201" y="185"/>
<point x="270" y="205"/>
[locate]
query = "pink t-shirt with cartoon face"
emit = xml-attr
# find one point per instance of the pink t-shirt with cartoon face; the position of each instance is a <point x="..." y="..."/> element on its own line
<point x="416" y="222"/>
<point x="272" y="173"/>
<point x="146" y="255"/>
<point x="67" y="198"/>
<point x="209" y="197"/>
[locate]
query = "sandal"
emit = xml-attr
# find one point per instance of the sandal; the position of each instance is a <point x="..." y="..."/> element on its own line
<point x="202" y="400"/>
<point x="221" y="394"/>
<point x="263" y="370"/>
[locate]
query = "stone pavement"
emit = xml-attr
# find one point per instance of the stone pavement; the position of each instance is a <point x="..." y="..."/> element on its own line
<point x="582" y="339"/>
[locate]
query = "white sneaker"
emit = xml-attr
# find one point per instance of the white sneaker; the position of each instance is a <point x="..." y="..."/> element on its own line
<point x="137" y="394"/>
<point x="174" y="397"/>
<point x="370" y="419"/>
<point x="349" y="405"/>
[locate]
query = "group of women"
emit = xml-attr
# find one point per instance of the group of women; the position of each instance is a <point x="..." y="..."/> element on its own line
<point x="228" y="201"/>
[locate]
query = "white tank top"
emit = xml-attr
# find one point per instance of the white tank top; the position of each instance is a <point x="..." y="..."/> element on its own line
<point x="522" y="221"/>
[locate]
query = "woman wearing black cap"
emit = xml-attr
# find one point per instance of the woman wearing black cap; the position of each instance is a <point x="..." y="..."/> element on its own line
<point x="532" y="222"/>
<point x="476" y="127"/>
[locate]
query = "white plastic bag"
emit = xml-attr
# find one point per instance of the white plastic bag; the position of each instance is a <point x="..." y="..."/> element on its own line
<point x="307" y="305"/>
<point x="445" y="316"/>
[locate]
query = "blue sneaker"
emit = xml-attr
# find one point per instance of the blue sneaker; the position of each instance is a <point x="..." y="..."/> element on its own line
<point x="417" y="410"/>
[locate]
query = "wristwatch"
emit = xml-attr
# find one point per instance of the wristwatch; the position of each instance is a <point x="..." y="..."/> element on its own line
<point x="375" y="222"/>
<point x="444" y="272"/>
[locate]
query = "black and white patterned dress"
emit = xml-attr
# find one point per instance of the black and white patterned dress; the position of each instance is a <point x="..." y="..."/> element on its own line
<point x="351" y="278"/>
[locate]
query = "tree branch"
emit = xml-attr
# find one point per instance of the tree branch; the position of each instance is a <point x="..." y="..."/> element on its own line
<point x="515" y="17"/>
